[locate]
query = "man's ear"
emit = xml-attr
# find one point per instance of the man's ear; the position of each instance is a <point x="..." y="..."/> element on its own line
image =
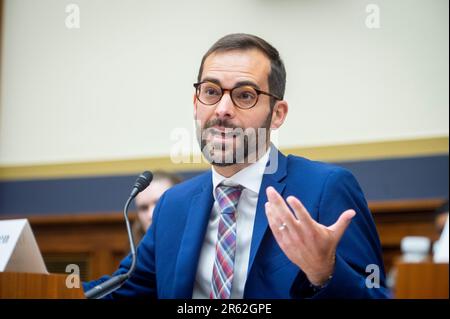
<point x="280" y="111"/>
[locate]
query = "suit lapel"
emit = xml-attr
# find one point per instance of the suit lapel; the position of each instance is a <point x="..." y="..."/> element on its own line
<point x="274" y="180"/>
<point x="191" y="244"/>
<point x="197" y="222"/>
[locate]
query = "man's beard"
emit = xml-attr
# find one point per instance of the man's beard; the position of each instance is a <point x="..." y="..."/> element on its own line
<point x="244" y="145"/>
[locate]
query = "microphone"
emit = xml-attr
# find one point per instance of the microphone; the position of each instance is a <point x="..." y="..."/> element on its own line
<point x="141" y="183"/>
<point x="115" y="282"/>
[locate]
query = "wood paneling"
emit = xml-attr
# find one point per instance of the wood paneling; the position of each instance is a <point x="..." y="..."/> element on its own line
<point x="396" y="220"/>
<point x="26" y="286"/>
<point x="422" y="281"/>
<point x="98" y="237"/>
<point x="102" y="238"/>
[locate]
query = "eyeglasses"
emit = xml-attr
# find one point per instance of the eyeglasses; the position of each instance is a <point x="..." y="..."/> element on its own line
<point x="244" y="97"/>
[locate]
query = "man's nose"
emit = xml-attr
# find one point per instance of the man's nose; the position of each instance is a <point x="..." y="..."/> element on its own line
<point x="225" y="107"/>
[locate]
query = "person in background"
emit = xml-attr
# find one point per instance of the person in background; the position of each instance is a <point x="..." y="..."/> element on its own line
<point x="441" y="216"/>
<point x="440" y="247"/>
<point x="146" y="201"/>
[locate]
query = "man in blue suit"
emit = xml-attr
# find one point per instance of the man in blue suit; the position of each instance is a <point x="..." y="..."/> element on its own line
<point x="259" y="224"/>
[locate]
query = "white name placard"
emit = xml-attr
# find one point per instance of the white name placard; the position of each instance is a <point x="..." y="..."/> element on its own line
<point x="19" y="251"/>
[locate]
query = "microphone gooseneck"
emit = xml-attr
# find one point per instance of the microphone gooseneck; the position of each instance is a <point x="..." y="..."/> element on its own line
<point x="115" y="282"/>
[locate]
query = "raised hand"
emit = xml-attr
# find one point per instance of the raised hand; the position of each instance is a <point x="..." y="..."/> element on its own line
<point x="308" y="244"/>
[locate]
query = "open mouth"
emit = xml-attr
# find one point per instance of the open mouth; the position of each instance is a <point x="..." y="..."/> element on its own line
<point x="223" y="133"/>
<point x="223" y="137"/>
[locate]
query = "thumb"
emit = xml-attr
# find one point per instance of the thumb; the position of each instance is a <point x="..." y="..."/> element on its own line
<point x="342" y="223"/>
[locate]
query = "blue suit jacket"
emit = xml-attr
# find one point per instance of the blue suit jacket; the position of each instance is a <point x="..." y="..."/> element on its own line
<point x="168" y="254"/>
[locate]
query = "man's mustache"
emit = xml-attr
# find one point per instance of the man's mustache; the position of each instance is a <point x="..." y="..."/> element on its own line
<point x="220" y="122"/>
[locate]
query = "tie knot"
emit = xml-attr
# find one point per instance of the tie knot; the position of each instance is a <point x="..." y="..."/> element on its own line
<point x="228" y="197"/>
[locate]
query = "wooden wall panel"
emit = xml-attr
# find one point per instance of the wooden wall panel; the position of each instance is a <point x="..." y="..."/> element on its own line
<point x="395" y="220"/>
<point x="102" y="238"/>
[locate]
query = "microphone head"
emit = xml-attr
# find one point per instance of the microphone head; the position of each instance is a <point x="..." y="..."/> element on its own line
<point x="143" y="181"/>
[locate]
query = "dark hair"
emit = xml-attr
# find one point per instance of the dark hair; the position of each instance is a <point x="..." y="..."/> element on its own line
<point x="442" y="209"/>
<point x="242" y="41"/>
<point x="172" y="178"/>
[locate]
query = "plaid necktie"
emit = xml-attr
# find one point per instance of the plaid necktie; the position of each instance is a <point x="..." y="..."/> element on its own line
<point x="222" y="279"/>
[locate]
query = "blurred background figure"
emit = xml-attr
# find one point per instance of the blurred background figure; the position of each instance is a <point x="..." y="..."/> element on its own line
<point x="416" y="249"/>
<point x="441" y="217"/>
<point x="440" y="247"/>
<point x="146" y="201"/>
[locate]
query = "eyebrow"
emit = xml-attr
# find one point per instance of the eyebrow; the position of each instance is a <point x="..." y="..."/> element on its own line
<point x="240" y="83"/>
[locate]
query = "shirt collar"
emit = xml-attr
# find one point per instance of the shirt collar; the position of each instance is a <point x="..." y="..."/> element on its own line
<point x="249" y="177"/>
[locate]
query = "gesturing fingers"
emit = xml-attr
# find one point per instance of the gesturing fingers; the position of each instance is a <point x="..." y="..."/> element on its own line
<point x="280" y="209"/>
<point x="276" y="224"/>
<point x="308" y="244"/>
<point x="342" y="223"/>
<point x="300" y="211"/>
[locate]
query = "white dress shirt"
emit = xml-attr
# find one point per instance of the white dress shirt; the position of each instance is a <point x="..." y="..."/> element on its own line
<point x="250" y="178"/>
